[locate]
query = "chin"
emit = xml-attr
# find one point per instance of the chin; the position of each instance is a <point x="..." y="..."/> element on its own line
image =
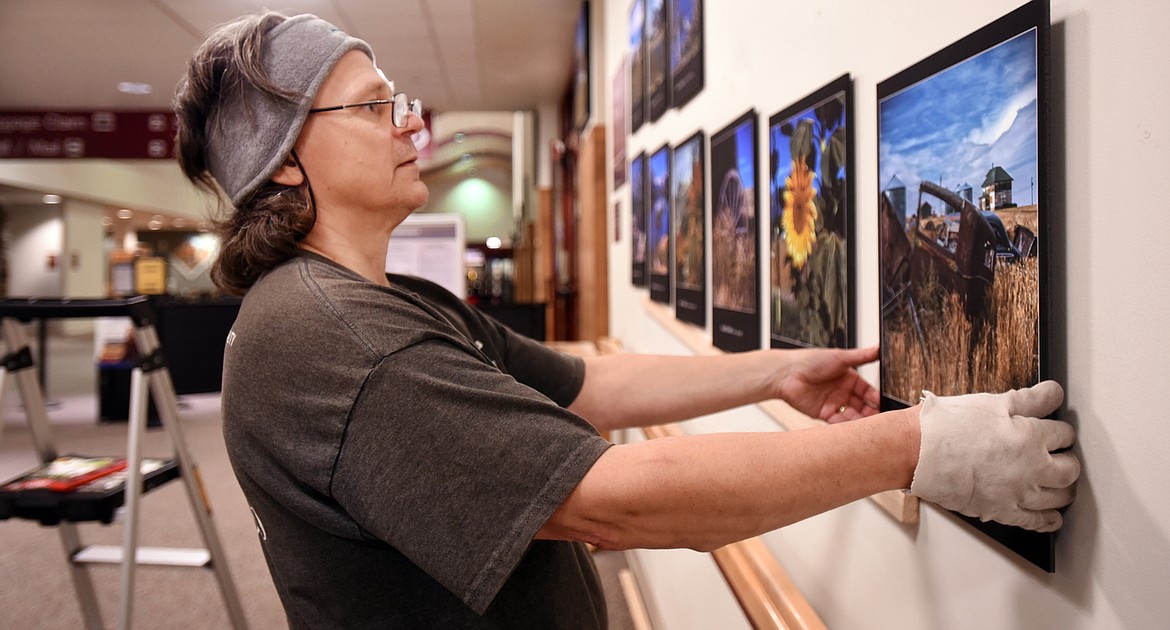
<point x="421" y="195"/>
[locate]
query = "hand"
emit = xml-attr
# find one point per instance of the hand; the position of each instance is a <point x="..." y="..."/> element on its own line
<point x="825" y="384"/>
<point x="989" y="456"/>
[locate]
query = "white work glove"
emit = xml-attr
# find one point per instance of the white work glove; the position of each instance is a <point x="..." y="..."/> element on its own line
<point x="989" y="456"/>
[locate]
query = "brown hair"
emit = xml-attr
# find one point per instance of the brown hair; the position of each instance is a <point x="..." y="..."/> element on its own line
<point x="263" y="229"/>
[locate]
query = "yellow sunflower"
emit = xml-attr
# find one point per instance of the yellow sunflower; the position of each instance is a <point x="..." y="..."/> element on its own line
<point x="800" y="213"/>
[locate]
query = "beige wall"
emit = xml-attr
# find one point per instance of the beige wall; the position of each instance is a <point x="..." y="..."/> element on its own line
<point x="860" y="568"/>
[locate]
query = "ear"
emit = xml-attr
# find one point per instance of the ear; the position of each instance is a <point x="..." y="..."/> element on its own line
<point x="289" y="174"/>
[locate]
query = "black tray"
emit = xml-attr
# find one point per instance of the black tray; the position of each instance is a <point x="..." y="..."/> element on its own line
<point x="95" y="501"/>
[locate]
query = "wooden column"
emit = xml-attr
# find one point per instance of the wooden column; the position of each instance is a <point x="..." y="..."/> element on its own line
<point x="592" y="231"/>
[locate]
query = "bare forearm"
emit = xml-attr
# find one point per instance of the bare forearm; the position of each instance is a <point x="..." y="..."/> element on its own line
<point x="641" y="390"/>
<point x="702" y="492"/>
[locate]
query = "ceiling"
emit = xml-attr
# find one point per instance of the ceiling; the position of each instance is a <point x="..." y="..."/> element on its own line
<point x="456" y="55"/>
<point x="465" y="55"/>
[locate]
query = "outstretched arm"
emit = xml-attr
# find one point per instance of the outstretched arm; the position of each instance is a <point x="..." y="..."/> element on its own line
<point x="704" y="491"/>
<point x="627" y="390"/>
<point x="990" y="456"/>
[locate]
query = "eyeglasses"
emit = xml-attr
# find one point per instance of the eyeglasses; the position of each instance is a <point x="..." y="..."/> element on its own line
<point x="402" y="107"/>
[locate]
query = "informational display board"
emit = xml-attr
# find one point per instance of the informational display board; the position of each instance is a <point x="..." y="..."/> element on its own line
<point x="430" y="246"/>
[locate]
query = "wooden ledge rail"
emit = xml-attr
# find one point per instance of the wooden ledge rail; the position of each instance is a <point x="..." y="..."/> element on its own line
<point x="768" y="597"/>
<point x="899" y="504"/>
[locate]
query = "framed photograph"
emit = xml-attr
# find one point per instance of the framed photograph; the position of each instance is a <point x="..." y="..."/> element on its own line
<point x="658" y="88"/>
<point x="963" y="215"/>
<point x="637" y="59"/>
<point x="660" y="266"/>
<point x="735" y="237"/>
<point x="810" y="183"/>
<point x="639" y="241"/>
<point x="581" y="91"/>
<point x="620" y="128"/>
<point x="689" y="201"/>
<point x="686" y="50"/>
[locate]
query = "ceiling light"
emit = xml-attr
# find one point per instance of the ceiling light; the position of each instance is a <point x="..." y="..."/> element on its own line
<point x="51" y="199"/>
<point x="493" y="242"/>
<point x="465" y="158"/>
<point x="154" y="225"/>
<point x="133" y="87"/>
<point x="178" y="223"/>
<point x="459" y="137"/>
<point x="107" y="221"/>
<point x="125" y="214"/>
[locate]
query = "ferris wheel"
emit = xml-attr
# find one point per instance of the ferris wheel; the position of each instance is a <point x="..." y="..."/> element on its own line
<point x="733" y="202"/>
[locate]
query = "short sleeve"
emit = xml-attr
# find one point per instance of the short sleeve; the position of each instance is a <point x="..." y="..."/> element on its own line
<point x="458" y="465"/>
<point x="554" y="374"/>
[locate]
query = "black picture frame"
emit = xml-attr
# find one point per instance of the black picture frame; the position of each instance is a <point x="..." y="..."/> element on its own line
<point x="659" y="215"/>
<point x="994" y="84"/>
<point x="812" y="275"/>
<point x="582" y="95"/>
<point x="735" y="236"/>
<point x="637" y="60"/>
<point x="639" y="238"/>
<point x="686" y="51"/>
<point x="688" y="180"/>
<point x="657" y="63"/>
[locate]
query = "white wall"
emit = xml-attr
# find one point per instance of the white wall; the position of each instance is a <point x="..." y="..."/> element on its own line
<point x="83" y="254"/>
<point x="34" y="234"/>
<point x="1111" y="134"/>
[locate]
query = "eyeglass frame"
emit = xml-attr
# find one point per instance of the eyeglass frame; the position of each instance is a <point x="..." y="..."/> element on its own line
<point x="412" y="106"/>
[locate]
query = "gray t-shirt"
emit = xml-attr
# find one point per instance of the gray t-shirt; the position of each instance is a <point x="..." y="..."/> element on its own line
<point x="400" y="451"/>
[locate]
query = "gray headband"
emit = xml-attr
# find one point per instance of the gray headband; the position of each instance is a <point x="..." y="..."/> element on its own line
<point x="250" y="135"/>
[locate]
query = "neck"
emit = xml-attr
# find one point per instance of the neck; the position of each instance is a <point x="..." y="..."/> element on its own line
<point x="362" y="251"/>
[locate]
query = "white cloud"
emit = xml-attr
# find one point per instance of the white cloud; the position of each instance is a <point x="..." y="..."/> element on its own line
<point x="995" y="126"/>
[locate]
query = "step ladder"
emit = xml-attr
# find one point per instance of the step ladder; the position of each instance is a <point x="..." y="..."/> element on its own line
<point x="149" y="376"/>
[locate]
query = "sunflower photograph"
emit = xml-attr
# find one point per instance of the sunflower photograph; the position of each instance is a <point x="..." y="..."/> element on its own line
<point x="810" y="194"/>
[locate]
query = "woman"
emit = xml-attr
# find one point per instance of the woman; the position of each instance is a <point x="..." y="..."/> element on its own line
<point x="411" y="463"/>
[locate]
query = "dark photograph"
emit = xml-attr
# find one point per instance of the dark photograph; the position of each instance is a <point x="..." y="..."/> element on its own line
<point x="658" y="88"/>
<point x="810" y="185"/>
<point x="638" y="239"/>
<point x="686" y="50"/>
<point x="735" y="237"/>
<point x="581" y="95"/>
<point x="637" y="59"/>
<point x="660" y="225"/>
<point x="690" y="236"/>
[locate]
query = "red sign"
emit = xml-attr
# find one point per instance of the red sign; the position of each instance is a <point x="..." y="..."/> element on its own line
<point x="72" y="134"/>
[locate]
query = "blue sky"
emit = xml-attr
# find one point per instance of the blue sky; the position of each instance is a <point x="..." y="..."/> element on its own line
<point x="682" y="9"/>
<point x="637" y="19"/>
<point x="959" y="123"/>
<point x="683" y="167"/>
<point x="783" y="146"/>
<point x="659" y="195"/>
<point x="745" y="158"/>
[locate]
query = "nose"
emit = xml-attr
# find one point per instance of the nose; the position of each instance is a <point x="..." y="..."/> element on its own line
<point x="414" y="124"/>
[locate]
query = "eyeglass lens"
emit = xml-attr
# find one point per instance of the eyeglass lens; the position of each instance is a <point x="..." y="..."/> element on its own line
<point x="403" y="106"/>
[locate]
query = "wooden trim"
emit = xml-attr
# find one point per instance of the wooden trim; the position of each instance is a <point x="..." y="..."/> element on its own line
<point x="634" y="603"/>
<point x="768" y="597"/>
<point x="899" y="504"/>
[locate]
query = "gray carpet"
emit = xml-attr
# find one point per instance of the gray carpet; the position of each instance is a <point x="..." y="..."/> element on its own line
<point x="35" y="589"/>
